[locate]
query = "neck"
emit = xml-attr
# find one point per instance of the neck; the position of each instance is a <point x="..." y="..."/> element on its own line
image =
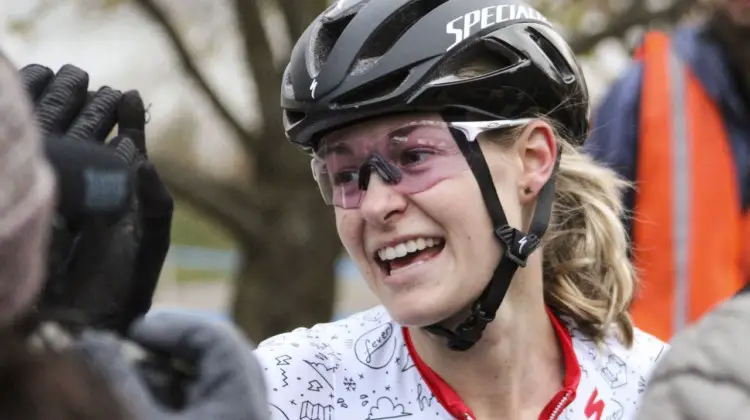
<point x="513" y="371"/>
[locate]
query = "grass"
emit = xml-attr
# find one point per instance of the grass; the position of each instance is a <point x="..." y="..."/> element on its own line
<point x="185" y="275"/>
<point x="190" y="228"/>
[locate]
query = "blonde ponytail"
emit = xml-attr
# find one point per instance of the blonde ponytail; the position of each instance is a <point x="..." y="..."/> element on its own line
<point x="587" y="274"/>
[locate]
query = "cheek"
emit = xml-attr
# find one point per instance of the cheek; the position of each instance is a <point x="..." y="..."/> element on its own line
<point x="349" y="229"/>
<point x="506" y="178"/>
<point x="457" y="206"/>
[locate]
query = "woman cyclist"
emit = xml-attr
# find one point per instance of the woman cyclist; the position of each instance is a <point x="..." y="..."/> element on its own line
<point x="445" y="135"/>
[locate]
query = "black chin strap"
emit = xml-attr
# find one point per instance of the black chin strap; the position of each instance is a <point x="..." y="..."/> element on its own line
<point x="518" y="247"/>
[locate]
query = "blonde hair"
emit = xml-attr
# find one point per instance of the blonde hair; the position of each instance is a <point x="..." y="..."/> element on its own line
<point x="586" y="271"/>
<point x="587" y="274"/>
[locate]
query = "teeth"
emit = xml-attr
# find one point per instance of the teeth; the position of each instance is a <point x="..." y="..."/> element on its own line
<point x="400" y="250"/>
<point x="413" y="245"/>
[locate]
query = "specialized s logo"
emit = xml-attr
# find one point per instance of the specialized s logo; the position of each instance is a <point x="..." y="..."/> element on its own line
<point x="462" y="27"/>
<point x="313" y="86"/>
<point x="522" y="242"/>
<point x="594" y="407"/>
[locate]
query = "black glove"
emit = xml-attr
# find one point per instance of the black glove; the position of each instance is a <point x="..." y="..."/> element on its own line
<point x="102" y="272"/>
<point x="64" y="107"/>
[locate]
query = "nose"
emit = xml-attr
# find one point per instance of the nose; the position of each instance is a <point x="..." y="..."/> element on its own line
<point x="381" y="203"/>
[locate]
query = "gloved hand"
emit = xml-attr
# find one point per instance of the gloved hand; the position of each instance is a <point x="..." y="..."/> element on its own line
<point x="64" y="107"/>
<point x="228" y="383"/>
<point x="102" y="274"/>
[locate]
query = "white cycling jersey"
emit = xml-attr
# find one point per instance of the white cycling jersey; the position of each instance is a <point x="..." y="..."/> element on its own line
<point x="365" y="368"/>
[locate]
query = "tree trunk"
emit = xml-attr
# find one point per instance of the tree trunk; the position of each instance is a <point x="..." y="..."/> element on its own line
<point x="286" y="280"/>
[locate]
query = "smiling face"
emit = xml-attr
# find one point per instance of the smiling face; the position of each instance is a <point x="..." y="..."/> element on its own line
<point x="425" y="244"/>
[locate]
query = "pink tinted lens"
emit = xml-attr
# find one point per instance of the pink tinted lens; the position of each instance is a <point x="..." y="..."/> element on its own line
<point x="423" y="152"/>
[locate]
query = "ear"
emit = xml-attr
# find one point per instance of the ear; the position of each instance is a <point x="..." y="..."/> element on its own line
<point x="537" y="150"/>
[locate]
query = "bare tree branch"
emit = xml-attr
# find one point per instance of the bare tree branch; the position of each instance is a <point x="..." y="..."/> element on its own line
<point x="257" y="46"/>
<point x="157" y="14"/>
<point x="298" y="15"/>
<point x="289" y="8"/>
<point x="223" y="201"/>
<point x="634" y="16"/>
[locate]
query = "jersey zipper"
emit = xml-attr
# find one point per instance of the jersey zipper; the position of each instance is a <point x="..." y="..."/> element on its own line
<point x="560" y="405"/>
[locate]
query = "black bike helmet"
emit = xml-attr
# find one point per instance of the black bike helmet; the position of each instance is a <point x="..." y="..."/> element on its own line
<point x="365" y="58"/>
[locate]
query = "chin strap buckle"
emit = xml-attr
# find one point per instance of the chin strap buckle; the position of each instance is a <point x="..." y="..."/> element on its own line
<point x="518" y="245"/>
<point x="468" y="332"/>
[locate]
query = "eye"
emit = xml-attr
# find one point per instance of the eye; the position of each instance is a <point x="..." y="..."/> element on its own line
<point x="414" y="156"/>
<point x="345" y="177"/>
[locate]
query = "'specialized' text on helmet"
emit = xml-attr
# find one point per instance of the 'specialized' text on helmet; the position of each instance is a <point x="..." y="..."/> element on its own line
<point x="365" y="58"/>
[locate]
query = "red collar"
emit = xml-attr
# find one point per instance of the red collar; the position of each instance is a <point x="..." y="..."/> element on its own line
<point x="453" y="403"/>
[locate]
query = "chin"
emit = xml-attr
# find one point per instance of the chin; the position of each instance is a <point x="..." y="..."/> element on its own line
<point x="420" y="312"/>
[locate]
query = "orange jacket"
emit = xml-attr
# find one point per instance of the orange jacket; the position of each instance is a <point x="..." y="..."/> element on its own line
<point x="688" y="230"/>
<point x="688" y="227"/>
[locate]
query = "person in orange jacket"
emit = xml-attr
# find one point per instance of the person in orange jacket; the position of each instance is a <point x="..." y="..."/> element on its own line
<point x="677" y="124"/>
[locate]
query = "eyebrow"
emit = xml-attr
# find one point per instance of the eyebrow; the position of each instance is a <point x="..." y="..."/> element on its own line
<point x="339" y="147"/>
<point x="403" y="131"/>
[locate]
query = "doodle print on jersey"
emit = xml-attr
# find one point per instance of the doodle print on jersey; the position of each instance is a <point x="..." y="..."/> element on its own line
<point x="408" y="362"/>
<point x="641" y="385"/>
<point x="385" y="409"/>
<point x="617" y="412"/>
<point x="376" y="347"/>
<point x="360" y="368"/>
<point x="615" y="372"/>
<point x="422" y="398"/>
<point x="314" y="411"/>
<point x="314" y="386"/>
<point x="277" y="413"/>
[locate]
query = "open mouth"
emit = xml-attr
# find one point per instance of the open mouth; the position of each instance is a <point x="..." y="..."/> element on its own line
<point x="412" y="252"/>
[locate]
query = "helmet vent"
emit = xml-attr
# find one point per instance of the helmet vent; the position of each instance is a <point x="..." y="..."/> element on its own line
<point x="286" y="85"/>
<point x="476" y="60"/>
<point x="558" y="61"/>
<point x="293" y="117"/>
<point x="375" y="89"/>
<point x="327" y="35"/>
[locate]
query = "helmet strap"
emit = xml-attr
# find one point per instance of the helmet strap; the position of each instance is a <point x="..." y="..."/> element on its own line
<point x="518" y="247"/>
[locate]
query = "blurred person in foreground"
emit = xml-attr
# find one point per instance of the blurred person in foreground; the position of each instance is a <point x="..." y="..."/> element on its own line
<point x="677" y="124"/>
<point x="33" y="385"/>
<point x="106" y="361"/>
<point x="493" y="244"/>
<point x="706" y="374"/>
